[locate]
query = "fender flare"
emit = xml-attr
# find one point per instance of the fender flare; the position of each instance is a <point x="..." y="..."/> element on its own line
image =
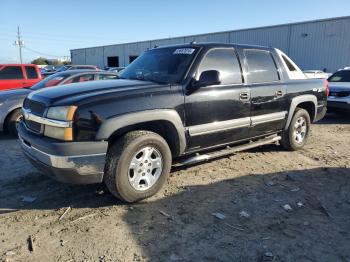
<point x="113" y="124"/>
<point x="296" y="101"/>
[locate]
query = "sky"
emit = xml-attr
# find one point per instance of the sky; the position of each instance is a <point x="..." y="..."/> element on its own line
<point x="51" y="28"/>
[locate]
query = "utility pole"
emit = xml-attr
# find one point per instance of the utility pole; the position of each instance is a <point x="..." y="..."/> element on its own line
<point x="20" y="43"/>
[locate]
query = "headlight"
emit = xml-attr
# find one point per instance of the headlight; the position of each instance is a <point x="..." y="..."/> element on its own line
<point x="64" y="113"/>
<point x="61" y="113"/>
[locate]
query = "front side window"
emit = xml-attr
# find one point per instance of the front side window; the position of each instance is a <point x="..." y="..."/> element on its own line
<point x="261" y="66"/>
<point x="31" y="72"/>
<point x="52" y="80"/>
<point x="11" y="73"/>
<point x="161" y="65"/>
<point x="340" y="76"/>
<point x="225" y="61"/>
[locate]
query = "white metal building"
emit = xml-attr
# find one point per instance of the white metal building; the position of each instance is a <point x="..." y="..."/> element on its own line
<point x="319" y="44"/>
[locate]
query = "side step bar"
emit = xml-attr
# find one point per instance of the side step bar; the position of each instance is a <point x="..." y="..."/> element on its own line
<point x="229" y="150"/>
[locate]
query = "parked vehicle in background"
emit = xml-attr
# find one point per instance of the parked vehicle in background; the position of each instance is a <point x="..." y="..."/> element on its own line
<point x="18" y="76"/>
<point x="77" y="67"/>
<point x="115" y="69"/>
<point x="173" y="104"/>
<point x="316" y="74"/>
<point x="339" y="92"/>
<point x="11" y="101"/>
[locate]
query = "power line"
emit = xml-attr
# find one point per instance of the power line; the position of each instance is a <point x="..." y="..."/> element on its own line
<point x="44" y="54"/>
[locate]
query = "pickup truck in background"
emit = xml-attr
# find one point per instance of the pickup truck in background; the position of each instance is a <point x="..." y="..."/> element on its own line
<point x="173" y="105"/>
<point x="18" y="76"/>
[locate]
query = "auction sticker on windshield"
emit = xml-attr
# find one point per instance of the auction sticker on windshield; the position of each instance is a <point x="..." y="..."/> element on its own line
<point x="184" y="51"/>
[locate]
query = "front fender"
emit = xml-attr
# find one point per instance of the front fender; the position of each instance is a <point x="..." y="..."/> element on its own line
<point x="114" y="124"/>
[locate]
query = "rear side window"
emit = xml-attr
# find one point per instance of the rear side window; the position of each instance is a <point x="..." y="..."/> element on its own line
<point x="340" y="76"/>
<point x="11" y="72"/>
<point x="108" y="77"/>
<point x="31" y="72"/>
<point x="81" y="78"/>
<point x="225" y="61"/>
<point x="261" y="66"/>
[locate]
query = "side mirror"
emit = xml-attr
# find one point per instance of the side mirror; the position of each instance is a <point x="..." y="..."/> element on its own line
<point x="208" y="78"/>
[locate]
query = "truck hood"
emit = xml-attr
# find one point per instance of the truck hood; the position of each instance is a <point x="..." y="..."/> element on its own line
<point x="74" y="93"/>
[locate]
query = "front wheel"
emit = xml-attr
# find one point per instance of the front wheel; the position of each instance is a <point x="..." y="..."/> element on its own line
<point x="13" y="121"/>
<point x="295" y="137"/>
<point x="137" y="165"/>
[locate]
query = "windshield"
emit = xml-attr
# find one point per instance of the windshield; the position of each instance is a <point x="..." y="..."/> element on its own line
<point x="163" y="65"/>
<point x="340" y="76"/>
<point x="50" y="81"/>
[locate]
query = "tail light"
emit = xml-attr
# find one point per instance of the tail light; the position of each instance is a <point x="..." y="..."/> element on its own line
<point x="327" y="87"/>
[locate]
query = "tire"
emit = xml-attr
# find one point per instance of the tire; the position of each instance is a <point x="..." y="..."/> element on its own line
<point x="297" y="134"/>
<point x="12" y="122"/>
<point x="130" y="174"/>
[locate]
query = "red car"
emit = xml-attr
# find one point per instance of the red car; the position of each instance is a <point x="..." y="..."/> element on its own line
<point x="18" y="76"/>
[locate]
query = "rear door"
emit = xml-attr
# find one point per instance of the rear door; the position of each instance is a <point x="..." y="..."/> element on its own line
<point x="218" y="114"/>
<point x="267" y="90"/>
<point x="11" y="76"/>
<point x="32" y="76"/>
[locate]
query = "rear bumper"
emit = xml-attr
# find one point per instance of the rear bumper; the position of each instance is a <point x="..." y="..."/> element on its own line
<point x="69" y="162"/>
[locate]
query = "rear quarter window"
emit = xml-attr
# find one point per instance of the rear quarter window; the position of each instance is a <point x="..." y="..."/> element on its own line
<point x="31" y="72"/>
<point x="11" y="73"/>
<point x="261" y="66"/>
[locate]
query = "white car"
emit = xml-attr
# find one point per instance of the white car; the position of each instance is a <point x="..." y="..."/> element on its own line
<point x="339" y="92"/>
<point x="316" y="74"/>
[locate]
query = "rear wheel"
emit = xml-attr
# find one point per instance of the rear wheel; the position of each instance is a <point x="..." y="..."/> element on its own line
<point x="13" y="121"/>
<point x="295" y="137"/>
<point x="137" y="165"/>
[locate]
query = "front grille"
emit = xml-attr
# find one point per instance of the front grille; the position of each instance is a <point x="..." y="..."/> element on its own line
<point x="33" y="126"/>
<point x="35" y="107"/>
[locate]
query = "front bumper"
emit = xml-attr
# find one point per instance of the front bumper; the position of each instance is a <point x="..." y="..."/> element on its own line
<point x="69" y="162"/>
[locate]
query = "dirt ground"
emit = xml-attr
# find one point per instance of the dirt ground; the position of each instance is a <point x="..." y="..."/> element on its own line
<point x="265" y="204"/>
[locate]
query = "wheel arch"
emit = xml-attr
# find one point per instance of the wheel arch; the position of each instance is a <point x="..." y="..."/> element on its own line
<point x="307" y="102"/>
<point x="166" y="123"/>
<point x="8" y="115"/>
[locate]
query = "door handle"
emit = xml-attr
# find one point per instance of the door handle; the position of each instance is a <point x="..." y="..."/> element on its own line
<point x="279" y="93"/>
<point x="244" y="96"/>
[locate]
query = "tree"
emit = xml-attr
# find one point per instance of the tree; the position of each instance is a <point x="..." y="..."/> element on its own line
<point x="40" y="61"/>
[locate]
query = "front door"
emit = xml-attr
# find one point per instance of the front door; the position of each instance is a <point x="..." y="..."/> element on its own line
<point x="218" y="114"/>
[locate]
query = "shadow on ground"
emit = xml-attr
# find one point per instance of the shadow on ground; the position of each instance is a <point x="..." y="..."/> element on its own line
<point x="182" y="226"/>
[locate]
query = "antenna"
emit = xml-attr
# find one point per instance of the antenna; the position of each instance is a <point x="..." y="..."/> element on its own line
<point x="20" y="43"/>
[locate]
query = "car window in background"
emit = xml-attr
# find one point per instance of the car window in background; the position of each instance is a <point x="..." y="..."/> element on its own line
<point x="81" y="78"/>
<point x="262" y="67"/>
<point x="163" y="65"/>
<point x="50" y="81"/>
<point x="31" y="72"/>
<point x="107" y="77"/>
<point x="225" y="61"/>
<point x="11" y="72"/>
<point x="340" y="76"/>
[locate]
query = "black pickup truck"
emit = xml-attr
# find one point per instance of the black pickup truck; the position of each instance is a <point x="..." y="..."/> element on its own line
<point x="173" y="105"/>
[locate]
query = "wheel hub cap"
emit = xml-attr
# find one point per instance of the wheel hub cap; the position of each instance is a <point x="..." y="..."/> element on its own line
<point x="145" y="168"/>
<point x="300" y="130"/>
